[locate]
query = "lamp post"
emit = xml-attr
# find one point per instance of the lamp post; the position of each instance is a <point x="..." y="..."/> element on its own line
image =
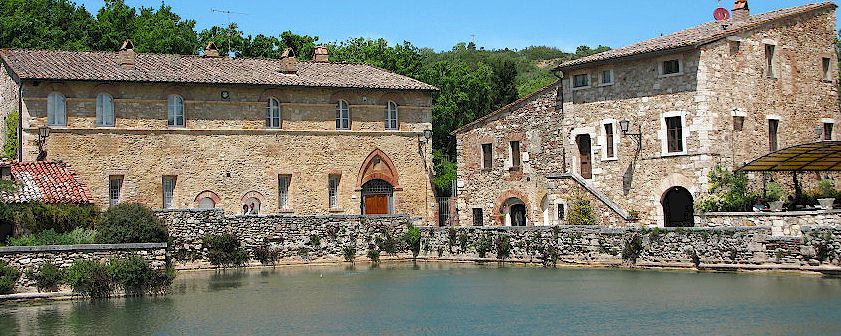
<point x="43" y="134"/>
<point x="625" y="125"/>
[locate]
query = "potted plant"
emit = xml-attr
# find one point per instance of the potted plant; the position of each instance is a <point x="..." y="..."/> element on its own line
<point x="775" y="195"/>
<point x="826" y="191"/>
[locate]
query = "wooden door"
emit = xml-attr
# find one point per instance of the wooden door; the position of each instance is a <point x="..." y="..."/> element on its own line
<point x="584" y="156"/>
<point x="376" y="204"/>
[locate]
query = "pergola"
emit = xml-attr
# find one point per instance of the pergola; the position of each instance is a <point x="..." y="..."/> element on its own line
<point x="822" y="156"/>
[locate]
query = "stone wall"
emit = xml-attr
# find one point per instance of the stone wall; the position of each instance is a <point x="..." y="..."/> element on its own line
<point x="31" y="257"/>
<point x="227" y="154"/>
<point x="8" y="103"/>
<point x="789" y="223"/>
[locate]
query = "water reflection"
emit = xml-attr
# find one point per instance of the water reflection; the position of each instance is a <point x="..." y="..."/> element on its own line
<point x="227" y="279"/>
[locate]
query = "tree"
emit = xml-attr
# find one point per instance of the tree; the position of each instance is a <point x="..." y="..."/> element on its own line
<point x="44" y="24"/>
<point x="228" y="40"/>
<point x="404" y="59"/>
<point x="114" y="24"/>
<point x="262" y="46"/>
<point x="412" y="238"/>
<point x="163" y="32"/>
<point x="303" y="45"/>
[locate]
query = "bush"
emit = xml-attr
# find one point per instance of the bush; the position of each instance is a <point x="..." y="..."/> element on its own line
<point x="549" y="256"/>
<point x="349" y="253"/>
<point x="266" y="254"/>
<point x="632" y="249"/>
<point x="387" y="244"/>
<point x="451" y="238"/>
<point x="33" y="218"/>
<point x="8" y="277"/>
<point x="728" y="192"/>
<point x="131" y="273"/>
<point x="774" y="192"/>
<point x="224" y="250"/>
<point x="315" y="240"/>
<point x="50" y="237"/>
<point x="483" y="246"/>
<point x="89" y="278"/>
<point x="581" y="212"/>
<point x="374" y="255"/>
<point x="131" y="223"/>
<point x="161" y="281"/>
<point x="503" y="247"/>
<point x="412" y="238"/>
<point x="462" y="242"/>
<point x="47" y="278"/>
<point x="826" y="188"/>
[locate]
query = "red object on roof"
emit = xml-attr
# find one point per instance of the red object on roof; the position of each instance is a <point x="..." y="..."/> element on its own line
<point x="721" y="14"/>
<point x="46" y="182"/>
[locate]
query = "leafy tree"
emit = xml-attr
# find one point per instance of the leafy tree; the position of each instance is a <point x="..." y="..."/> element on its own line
<point x="262" y="46"/>
<point x="10" y="147"/>
<point x="131" y="223"/>
<point x="44" y="24"/>
<point x="404" y="59"/>
<point x="581" y="212"/>
<point x="445" y="173"/>
<point x="115" y="23"/>
<point x="412" y="238"/>
<point x="303" y="45"/>
<point x="162" y="31"/>
<point x="229" y="40"/>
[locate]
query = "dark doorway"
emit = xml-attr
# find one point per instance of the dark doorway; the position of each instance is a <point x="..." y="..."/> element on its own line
<point x="678" y="208"/>
<point x="377" y="198"/>
<point x="6" y="231"/>
<point x="584" y="156"/>
<point x="518" y="215"/>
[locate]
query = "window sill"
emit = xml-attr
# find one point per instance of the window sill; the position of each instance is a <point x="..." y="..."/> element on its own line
<point x="486" y="169"/>
<point x="605" y="84"/>
<point x="610" y="159"/>
<point x="285" y="211"/>
<point x="670" y="75"/>
<point x="336" y="210"/>
<point x="671" y="154"/>
<point x="828" y="81"/>
<point x="517" y="168"/>
<point x="580" y="88"/>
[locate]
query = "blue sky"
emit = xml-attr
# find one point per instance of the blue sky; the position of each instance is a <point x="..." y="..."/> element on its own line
<point x="440" y="24"/>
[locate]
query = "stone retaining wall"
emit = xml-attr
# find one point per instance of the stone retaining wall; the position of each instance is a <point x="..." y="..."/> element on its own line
<point x="31" y="257"/>
<point x="787" y="223"/>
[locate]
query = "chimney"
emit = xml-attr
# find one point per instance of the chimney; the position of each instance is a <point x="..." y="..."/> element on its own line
<point x="211" y="51"/>
<point x="741" y="12"/>
<point x="288" y="62"/>
<point x="126" y="55"/>
<point x="320" y="55"/>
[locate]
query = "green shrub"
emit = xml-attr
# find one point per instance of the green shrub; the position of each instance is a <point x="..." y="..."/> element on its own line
<point x="224" y="250"/>
<point x="774" y="192"/>
<point x="8" y="277"/>
<point x="503" y="247"/>
<point x="131" y="273"/>
<point x="47" y="278"/>
<point x="374" y="255"/>
<point x="161" y="281"/>
<point x="826" y="188"/>
<point x="632" y="249"/>
<point x="462" y="242"/>
<point x="33" y="218"/>
<point x="266" y="254"/>
<point x="131" y="223"/>
<point x="412" y="238"/>
<point x="349" y="253"/>
<point x="581" y="212"/>
<point x="451" y="238"/>
<point x="728" y="192"/>
<point x="549" y="256"/>
<point x="89" y="278"/>
<point x="483" y="246"/>
<point x="387" y="244"/>
<point x="315" y="240"/>
<point x="10" y="147"/>
<point x="50" y="237"/>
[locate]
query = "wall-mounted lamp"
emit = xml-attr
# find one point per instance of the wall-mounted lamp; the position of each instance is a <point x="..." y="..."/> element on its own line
<point x="43" y="134"/>
<point x="625" y="125"/>
<point x="819" y="132"/>
<point x="427" y="136"/>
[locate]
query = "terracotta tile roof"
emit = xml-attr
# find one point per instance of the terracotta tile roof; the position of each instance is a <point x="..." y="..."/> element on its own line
<point x="695" y="36"/>
<point x="167" y="68"/>
<point x="47" y="182"/>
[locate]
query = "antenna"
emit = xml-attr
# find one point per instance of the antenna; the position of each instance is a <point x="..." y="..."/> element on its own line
<point x="228" y="23"/>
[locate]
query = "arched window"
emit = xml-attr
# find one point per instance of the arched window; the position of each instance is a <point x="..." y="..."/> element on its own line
<point x="207" y="203"/>
<point x="56" y="109"/>
<point x="104" y="110"/>
<point x="342" y="115"/>
<point x="391" y="116"/>
<point x="273" y="115"/>
<point x="175" y="111"/>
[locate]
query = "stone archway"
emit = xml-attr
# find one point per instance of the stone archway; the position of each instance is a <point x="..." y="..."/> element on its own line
<point x="678" y="208"/>
<point x="377" y="166"/>
<point x="253" y="198"/>
<point x="503" y="207"/>
<point x="206" y="200"/>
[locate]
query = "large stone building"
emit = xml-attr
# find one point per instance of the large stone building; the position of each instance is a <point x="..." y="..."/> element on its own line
<point x="721" y="93"/>
<point x="177" y="131"/>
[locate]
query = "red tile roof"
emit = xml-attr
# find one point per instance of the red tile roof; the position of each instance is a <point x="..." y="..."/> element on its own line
<point x="168" y="68"/>
<point x="695" y="36"/>
<point x="47" y="182"/>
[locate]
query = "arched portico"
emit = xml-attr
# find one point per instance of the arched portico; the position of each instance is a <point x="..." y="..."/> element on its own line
<point x="678" y="208"/>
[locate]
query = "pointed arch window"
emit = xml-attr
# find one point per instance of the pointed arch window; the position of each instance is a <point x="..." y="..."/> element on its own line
<point x="56" y="109"/>
<point x="273" y="115"/>
<point x="104" y="110"/>
<point x="175" y="111"/>
<point x="342" y="115"/>
<point x="391" y="116"/>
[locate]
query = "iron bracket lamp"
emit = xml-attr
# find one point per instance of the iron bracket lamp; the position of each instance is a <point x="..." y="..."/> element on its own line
<point x="427" y="136"/>
<point x="43" y="134"/>
<point x="625" y="126"/>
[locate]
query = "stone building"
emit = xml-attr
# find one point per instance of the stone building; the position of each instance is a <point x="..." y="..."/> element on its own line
<point x="178" y="131"/>
<point x="641" y="126"/>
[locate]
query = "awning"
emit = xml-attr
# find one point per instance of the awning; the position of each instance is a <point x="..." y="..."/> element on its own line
<point x="818" y="156"/>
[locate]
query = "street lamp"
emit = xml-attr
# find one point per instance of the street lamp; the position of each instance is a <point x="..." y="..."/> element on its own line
<point x="43" y="134"/>
<point x="625" y="125"/>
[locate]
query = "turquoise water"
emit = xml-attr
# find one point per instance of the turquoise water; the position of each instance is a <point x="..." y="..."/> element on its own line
<point x="452" y="299"/>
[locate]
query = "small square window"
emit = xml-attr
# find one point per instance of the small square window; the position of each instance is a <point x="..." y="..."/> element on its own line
<point x="773" y="128"/>
<point x="515" y="154"/>
<point x="115" y="186"/>
<point x="478" y="219"/>
<point x="283" y="191"/>
<point x="487" y="156"/>
<point x="561" y="212"/>
<point x="168" y="191"/>
<point x="738" y="123"/>
<point x="671" y="67"/>
<point x="674" y="134"/>
<point x="582" y="80"/>
<point x="607" y="77"/>
<point x="333" y="191"/>
<point x="734" y="47"/>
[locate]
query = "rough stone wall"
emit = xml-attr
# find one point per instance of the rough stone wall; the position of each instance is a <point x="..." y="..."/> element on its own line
<point x="8" y="103"/>
<point x="535" y="124"/>
<point x="226" y="148"/>
<point x="781" y="223"/>
<point x="26" y="258"/>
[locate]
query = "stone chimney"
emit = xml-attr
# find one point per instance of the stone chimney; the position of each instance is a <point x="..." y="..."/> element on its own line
<point x="288" y="62"/>
<point x="320" y="55"/>
<point x="211" y="51"/>
<point x="741" y="12"/>
<point x="126" y="55"/>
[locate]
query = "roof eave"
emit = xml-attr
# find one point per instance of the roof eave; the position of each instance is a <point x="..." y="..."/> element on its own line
<point x="628" y="58"/>
<point x="35" y="79"/>
<point x="505" y="108"/>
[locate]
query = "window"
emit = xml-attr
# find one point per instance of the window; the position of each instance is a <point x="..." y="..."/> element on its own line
<point x="175" y="111"/>
<point x="582" y="80"/>
<point x="826" y="66"/>
<point x="610" y="150"/>
<point x="773" y="127"/>
<point x="104" y="110"/>
<point x="734" y="47"/>
<point x="273" y="114"/>
<point x="607" y="77"/>
<point x="391" y="116"/>
<point x="674" y="134"/>
<point x="738" y="123"/>
<point x="671" y="67"/>
<point x="515" y="154"/>
<point x="342" y="115"/>
<point x="478" y="219"/>
<point x="56" y="109"/>
<point x="283" y="191"/>
<point x="770" y="71"/>
<point x="827" y="131"/>
<point x="207" y="203"/>
<point x="115" y="186"/>
<point x="334" y="191"/>
<point x="168" y="185"/>
<point x="561" y="212"/>
<point x="487" y="156"/>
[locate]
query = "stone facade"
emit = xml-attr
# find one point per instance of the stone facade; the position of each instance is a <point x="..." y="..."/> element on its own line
<point x="721" y="95"/>
<point x="789" y="223"/>
<point x="32" y="257"/>
<point x="8" y="101"/>
<point x="226" y="152"/>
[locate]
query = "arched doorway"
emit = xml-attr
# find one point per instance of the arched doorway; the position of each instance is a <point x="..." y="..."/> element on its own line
<point x="207" y="200"/>
<point x="377" y="198"/>
<point x="252" y="198"/>
<point x="678" y="208"/>
<point x="585" y="157"/>
<point x="515" y="212"/>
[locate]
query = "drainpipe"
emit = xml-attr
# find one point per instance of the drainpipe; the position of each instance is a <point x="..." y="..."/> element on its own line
<point x="560" y="75"/>
<point x="20" y="120"/>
